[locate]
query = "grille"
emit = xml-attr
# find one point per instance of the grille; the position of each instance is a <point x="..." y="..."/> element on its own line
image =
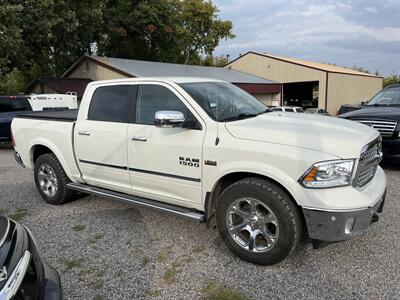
<point x="369" y="160"/>
<point x="385" y="127"/>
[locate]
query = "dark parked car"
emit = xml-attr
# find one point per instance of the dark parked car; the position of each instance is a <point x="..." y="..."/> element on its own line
<point x="10" y="106"/>
<point x="383" y="113"/>
<point x="22" y="273"/>
<point x="345" y="108"/>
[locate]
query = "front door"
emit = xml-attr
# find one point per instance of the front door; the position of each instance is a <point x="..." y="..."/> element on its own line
<point x="100" y="139"/>
<point x="164" y="163"/>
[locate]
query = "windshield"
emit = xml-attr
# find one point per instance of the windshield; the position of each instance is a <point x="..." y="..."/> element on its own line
<point x="387" y="97"/>
<point x="223" y="101"/>
<point x="8" y="104"/>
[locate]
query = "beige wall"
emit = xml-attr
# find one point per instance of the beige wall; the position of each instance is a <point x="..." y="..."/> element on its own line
<point x="280" y="71"/>
<point x="350" y="89"/>
<point x="267" y="98"/>
<point x="89" y="69"/>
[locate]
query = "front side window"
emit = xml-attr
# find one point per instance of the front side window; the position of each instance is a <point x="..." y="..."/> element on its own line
<point x="152" y="98"/>
<point x="289" y="109"/>
<point x="223" y="101"/>
<point x="110" y="104"/>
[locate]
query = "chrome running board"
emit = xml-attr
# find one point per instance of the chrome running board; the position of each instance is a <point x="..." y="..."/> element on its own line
<point x="143" y="202"/>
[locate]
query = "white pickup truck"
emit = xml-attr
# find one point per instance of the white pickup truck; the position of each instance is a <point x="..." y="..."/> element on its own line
<point x="206" y="150"/>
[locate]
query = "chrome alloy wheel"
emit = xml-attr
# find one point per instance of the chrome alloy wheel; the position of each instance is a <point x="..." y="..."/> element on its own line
<point x="47" y="180"/>
<point x="252" y="225"/>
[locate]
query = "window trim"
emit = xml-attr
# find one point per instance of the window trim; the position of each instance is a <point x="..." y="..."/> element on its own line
<point x="132" y="94"/>
<point x="199" y="125"/>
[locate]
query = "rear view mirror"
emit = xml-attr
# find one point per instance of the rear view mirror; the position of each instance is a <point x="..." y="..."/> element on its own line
<point x="169" y="119"/>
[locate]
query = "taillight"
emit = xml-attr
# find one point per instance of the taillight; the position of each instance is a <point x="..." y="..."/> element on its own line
<point x="12" y="138"/>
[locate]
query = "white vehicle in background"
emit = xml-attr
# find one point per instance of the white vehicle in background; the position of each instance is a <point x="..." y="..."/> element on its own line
<point x="295" y="109"/>
<point x="11" y="106"/>
<point x="206" y="150"/>
<point x="53" y="101"/>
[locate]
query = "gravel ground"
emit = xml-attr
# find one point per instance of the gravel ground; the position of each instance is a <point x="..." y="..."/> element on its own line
<point x="108" y="250"/>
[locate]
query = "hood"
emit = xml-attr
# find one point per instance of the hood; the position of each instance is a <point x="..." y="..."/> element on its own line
<point x="341" y="138"/>
<point x="374" y="112"/>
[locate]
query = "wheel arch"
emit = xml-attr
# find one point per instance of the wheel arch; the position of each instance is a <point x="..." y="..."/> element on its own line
<point x="230" y="178"/>
<point x="39" y="148"/>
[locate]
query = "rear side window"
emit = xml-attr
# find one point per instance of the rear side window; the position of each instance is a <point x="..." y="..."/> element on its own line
<point x="14" y="104"/>
<point x="152" y="98"/>
<point x="289" y="109"/>
<point x="110" y="104"/>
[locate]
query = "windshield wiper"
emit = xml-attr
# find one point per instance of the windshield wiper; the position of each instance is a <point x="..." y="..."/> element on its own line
<point x="239" y="117"/>
<point x="378" y="104"/>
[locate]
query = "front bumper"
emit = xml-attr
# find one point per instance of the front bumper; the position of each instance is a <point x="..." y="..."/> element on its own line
<point x="334" y="226"/>
<point x="25" y="276"/>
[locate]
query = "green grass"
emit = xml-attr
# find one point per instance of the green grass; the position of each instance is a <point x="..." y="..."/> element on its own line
<point x="97" y="285"/>
<point x="199" y="249"/>
<point x="98" y="297"/>
<point x="170" y="275"/>
<point x="85" y="275"/>
<point x="213" y="291"/>
<point x="145" y="260"/>
<point x="163" y="255"/>
<point x="100" y="274"/>
<point x="152" y="293"/>
<point x="79" y="227"/>
<point x="70" y="264"/>
<point x="96" y="238"/>
<point x="19" y="214"/>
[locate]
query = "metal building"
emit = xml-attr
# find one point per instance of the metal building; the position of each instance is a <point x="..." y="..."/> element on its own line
<point x="105" y="68"/>
<point x="310" y="84"/>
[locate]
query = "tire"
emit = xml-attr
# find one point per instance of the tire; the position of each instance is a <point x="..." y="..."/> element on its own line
<point x="255" y="207"/>
<point x="49" y="165"/>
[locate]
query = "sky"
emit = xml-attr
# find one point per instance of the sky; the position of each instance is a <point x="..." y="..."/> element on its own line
<point x="363" y="33"/>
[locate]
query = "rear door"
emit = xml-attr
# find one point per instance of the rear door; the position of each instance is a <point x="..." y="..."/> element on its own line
<point x="100" y="138"/>
<point x="165" y="163"/>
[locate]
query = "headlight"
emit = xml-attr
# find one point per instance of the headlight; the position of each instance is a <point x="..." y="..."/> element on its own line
<point x="328" y="174"/>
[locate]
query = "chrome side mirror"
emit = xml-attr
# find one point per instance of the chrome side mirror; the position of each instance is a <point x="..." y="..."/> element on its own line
<point x="169" y="118"/>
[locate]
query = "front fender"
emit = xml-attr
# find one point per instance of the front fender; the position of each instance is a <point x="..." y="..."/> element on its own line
<point x="264" y="170"/>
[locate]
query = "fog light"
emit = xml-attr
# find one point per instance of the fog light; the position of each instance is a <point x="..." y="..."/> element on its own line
<point x="349" y="225"/>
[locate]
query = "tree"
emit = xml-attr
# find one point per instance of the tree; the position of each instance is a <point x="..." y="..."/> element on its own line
<point x="392" y="79"/>
<point x="44" y="37"/>
<point x="214" y="61"/>
<point x="163" y="30"/>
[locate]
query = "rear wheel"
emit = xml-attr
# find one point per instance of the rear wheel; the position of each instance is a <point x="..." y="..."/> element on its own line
<point x="51" y="180"/>
<point x="258" y="221"/>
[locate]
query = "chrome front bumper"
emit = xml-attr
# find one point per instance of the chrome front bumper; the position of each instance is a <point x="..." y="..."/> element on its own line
<point x="334" y="226"/>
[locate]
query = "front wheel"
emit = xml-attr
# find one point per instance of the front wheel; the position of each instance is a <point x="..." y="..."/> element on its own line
<point x="258" y="221"/>
<point x="51" y="180"/>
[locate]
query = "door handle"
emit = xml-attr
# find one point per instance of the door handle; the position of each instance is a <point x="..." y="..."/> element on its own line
<point x="83" y="132"/>
<point x="139" y="138"/>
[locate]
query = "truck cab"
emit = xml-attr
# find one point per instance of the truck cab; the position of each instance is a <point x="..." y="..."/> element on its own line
<point x="206" y="150"/>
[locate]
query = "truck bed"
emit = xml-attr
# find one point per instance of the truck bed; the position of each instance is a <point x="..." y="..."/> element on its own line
<point x="62" y="116"/>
